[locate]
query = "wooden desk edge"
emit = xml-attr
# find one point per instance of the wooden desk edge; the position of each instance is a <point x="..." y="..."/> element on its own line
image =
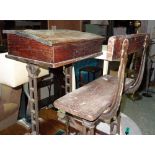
<point x="51" y="65"/>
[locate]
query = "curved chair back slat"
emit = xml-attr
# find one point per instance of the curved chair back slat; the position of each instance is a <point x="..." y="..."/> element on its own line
<point x="121" y="47"/>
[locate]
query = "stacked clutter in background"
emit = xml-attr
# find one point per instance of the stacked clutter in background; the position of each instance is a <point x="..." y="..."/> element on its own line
<point x="119" y="30"/>
<point x="87" y="70"/>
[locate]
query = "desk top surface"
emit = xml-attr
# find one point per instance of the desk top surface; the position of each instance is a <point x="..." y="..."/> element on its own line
<point x="51" y="37"/>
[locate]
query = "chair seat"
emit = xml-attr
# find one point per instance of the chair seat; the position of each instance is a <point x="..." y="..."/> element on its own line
<point x="91" y="100"/>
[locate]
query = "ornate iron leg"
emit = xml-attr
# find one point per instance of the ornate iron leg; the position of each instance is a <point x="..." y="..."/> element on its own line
<point x="33" y="72"/>
<point x="68" y="79"/>
<point x="68" y="88"/>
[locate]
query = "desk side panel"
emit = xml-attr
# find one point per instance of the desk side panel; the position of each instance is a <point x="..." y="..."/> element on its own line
<point x="58" y="53"/>
<point x="77" y="50"/>
<point x="29" y="48"/>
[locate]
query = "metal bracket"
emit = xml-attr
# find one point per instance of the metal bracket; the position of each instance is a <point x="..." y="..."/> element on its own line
<point x="33" y="72"/>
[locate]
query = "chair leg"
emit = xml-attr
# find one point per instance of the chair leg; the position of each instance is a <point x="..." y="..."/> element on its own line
<point x="84" y="130"/>
<point x="67" y="125"/>
<point x="63" y="117"/>
<point x="113" y="128"/>
<point x="115" y="125"/>
<point x="91" y="131"/>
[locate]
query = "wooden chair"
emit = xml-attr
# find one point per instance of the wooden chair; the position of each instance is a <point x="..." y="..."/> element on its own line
<point x="100" y="99"/>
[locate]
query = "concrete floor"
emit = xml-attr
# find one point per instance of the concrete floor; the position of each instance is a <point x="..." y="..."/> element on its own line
<point x="142" y="112"/>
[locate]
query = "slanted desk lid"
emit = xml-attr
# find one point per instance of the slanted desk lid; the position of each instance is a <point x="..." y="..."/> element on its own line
<point x="50" y="37"/>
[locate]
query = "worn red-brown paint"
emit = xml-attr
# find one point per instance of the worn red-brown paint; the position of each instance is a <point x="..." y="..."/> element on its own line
<point x="32" y="49"/>
<point x="136" y="43"/>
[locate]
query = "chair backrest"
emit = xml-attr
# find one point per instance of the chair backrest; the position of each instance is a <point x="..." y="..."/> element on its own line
<point x="136" y="43"/>
<point x="121" y="47"/>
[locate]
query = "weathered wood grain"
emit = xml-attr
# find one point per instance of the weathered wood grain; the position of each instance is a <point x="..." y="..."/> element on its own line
<point x="58" y="47"/>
